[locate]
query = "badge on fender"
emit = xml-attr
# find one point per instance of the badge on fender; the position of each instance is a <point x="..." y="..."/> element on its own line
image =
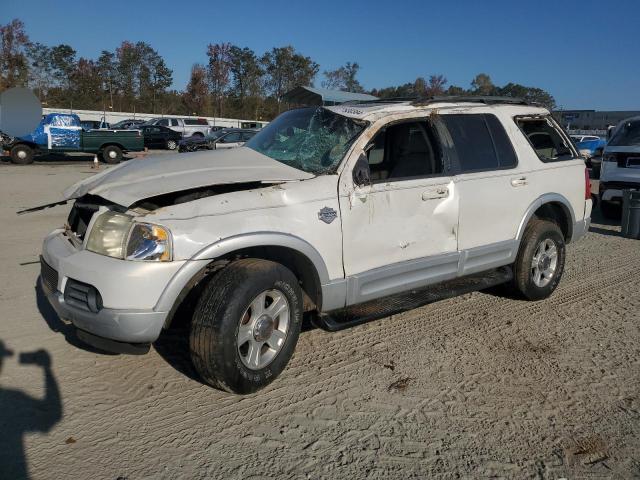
<point x="327" y="215"/>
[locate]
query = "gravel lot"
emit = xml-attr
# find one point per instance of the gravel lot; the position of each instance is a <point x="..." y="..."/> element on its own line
<point x="473" y="387"/>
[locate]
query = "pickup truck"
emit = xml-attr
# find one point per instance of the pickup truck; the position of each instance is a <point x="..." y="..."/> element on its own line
<point x="186" y="126"/>
<point x="63" y="133"/>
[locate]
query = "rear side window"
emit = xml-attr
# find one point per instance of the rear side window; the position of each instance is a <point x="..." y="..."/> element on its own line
<point x="164" y="122"/>
<point x="480" y="142"/>
<point x="548" y="143"/>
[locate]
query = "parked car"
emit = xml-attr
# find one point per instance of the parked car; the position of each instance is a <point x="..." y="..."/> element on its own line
<point x="324" y="209"/>
<point x="184" y="126"/>
<point x="232" y="137"/>
<point x="93" y="125"/>
<point x="590" y="148"/>
<point x="62" y="133"/>
<point x="127" y="124"/>
<point x="196" y="142"/>
<point x="157" y="136"/>
<point x="620" y="166"/>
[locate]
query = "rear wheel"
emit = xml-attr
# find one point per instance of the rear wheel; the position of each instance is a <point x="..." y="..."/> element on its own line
<point x="172" y="144"/>
<point x="111" y="154"/>
<point x="22" y="154"/>
<point x="540" y="261"/>
<point x="246" y="325"/>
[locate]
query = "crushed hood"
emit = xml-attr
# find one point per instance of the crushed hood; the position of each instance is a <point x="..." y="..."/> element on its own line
<point x="143" y="178"/>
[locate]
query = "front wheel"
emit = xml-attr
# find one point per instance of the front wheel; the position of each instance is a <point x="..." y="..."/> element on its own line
<point x="246" y="325"/>
<point x="540" y="261"/>
<point x="172" y="144"/>
<point x="22" y="154"/>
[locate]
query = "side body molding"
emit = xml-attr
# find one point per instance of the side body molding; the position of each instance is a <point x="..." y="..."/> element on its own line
<point x="541" y="200"/>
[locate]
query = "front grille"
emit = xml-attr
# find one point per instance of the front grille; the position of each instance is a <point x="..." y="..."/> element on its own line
<point x="82" y="296"/>
<point x="48" y="275"/>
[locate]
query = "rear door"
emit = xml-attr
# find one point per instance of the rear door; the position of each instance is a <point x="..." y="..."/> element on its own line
<point x="494" y="189"/>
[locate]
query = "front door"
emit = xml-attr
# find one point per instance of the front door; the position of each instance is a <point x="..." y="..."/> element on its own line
<point x="400" y="232"/>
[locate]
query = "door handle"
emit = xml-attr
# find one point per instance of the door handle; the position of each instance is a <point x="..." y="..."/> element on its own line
<point x="519" y="182"/>
<point x="439" y="192"/>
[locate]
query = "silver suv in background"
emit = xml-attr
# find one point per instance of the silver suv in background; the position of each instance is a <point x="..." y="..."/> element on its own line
<point x="620" y="168"/>
<point x="185" y="126"/>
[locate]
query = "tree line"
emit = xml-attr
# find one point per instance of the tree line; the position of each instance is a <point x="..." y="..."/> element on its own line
<point x="233" y="82"/>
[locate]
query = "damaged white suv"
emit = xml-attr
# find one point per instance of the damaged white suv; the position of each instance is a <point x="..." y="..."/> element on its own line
<point x="325" y="209"/>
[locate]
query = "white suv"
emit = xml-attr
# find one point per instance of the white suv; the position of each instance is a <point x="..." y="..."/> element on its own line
<point x="325" y="208"/>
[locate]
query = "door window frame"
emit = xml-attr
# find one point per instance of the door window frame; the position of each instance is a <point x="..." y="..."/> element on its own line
<point x="436" y="126"/>
<point x="454" y="153"/>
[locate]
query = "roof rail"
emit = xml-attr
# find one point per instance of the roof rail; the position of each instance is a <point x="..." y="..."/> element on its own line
<point x="487" y="100"/>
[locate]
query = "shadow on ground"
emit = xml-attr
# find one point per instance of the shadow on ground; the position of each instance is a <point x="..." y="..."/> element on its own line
<point x="21" y="413"/>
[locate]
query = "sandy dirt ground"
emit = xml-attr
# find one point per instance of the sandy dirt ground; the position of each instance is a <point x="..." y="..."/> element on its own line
<point x="479" y="386"/>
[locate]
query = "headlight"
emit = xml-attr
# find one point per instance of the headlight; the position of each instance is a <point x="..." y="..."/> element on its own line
<point x="117" y="235"/>
<point x="149" y="242"/>
<point x="109" y="233"/>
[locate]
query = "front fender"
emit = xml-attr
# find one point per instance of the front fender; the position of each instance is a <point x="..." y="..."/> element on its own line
<point x="194" y="268"/>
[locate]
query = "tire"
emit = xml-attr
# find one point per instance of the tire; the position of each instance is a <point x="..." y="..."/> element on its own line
<point x="219" y="355"/>
<point x="111" y="154"/>
<point x="539" y="234"/>
<point x="610" y="210"/>
<point x="22" y="154"/>
<point x="172" y="144"/>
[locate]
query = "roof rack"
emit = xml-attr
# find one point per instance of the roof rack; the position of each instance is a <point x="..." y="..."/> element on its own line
<point x="417" y="101"/>
<point x="487" y="100"/>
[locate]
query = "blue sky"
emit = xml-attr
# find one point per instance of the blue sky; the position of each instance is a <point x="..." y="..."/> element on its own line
<point x="586" y="53"/>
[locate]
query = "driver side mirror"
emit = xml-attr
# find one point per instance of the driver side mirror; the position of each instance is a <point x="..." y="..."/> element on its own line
<point x="361" y="172"/>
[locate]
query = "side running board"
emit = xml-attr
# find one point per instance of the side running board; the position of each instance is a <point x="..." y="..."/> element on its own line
<point x="376" y="309"/>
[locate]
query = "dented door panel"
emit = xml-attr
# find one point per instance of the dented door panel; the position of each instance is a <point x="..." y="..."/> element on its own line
<point x="398" y="221"/>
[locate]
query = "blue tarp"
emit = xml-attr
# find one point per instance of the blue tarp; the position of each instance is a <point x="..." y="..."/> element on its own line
<point x="63" y="128"/>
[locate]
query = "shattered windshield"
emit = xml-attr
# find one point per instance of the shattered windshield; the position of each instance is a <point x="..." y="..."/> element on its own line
<point x="628" y="134"/>
<point x="311" y="139"/>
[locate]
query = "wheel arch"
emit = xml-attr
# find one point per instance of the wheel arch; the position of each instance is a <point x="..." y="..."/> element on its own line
<point x="554" y="207"/>
<point x="297" y="254"/>
<point x="111" y="144"/>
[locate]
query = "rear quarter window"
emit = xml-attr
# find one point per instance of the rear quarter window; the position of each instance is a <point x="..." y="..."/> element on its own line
<point x="546" y="140"/>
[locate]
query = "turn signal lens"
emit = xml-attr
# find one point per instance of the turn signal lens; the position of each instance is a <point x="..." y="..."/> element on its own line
<point x="149" y="242"/>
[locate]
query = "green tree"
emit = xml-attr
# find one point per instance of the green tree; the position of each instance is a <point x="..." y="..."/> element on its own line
<point x="63" y="61"/>
<point x="285" y="69"/>
<point x="530" y="94"/>
<point x="40" y="69"/>
<point x="14" y="67"/>
<point x="86" y="85"/>
<point x="343" y="78"/>
<point x="107" y="68"/>
<point x="197" y="91"/>
<point x="247" y="72"/>
<point x="482" y="85"/>
<point x="218" y="73"/>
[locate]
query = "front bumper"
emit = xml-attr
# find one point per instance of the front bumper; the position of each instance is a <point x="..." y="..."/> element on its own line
<point x="131" y="326"/>
<point x="131" y="292"/>
<point x="611" y="191"/>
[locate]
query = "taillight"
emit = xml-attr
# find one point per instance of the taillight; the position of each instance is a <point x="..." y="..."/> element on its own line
<point x="587" y="185"/>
